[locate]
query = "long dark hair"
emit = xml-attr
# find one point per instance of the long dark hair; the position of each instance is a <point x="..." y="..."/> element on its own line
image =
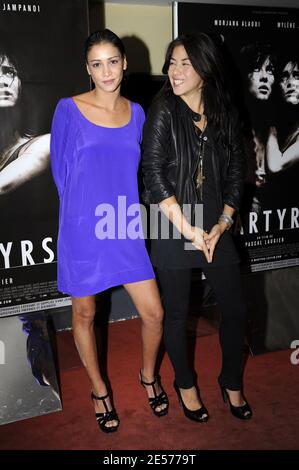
<point x="258" y="114"/>
<point x="11" y="117"/>
<point x="104" y="36"/>
<point x="254" y="55"/>
<point x="207" y="60"/>
<point x="287" y="114"/>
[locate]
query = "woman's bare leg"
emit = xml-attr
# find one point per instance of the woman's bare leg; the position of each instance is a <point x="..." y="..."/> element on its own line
<point x="146" y="297"/>
<point x="83" y="330"/>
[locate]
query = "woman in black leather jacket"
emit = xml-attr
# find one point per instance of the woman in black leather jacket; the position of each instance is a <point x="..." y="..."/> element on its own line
<point x="193" y="164"/>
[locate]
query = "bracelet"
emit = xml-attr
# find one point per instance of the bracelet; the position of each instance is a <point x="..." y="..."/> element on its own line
<point x="227" y="219"/>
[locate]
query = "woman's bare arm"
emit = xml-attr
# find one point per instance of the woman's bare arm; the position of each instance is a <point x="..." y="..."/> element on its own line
<point x="33" y="159"/>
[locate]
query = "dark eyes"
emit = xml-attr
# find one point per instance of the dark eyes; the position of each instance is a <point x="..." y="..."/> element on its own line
<point x="98" y="64"/>
<point x="286" y="76"/>
<point x="269" y="70"/>
<point x="184" y="63"/>
<point x="8" y="71"/>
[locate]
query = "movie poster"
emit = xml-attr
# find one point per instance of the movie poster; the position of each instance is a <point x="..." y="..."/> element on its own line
<point x="41" y="60"/>
<point x="261" y="47"/>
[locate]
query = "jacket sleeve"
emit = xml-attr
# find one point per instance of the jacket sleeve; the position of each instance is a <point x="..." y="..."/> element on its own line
<point x="155" y="153"/>
<point x="235" y="177"/>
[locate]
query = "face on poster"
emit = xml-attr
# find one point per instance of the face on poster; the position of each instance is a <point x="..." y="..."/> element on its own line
<point x="260" y="47"/>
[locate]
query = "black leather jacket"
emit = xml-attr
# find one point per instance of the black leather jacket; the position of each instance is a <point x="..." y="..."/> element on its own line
<point x="170" y="152"/>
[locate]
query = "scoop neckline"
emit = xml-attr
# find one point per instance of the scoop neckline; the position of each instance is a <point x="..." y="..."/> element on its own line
<point x="99" y="125"/>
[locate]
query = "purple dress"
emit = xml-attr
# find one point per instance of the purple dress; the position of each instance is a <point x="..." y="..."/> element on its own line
<point x="100" y="240"/>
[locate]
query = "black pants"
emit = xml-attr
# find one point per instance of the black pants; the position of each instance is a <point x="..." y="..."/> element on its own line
<point x="226" y="284"/>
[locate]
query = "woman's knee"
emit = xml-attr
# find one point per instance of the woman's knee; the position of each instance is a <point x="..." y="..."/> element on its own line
<point x="153" y="316"/>
<point x="83" y="312"/>
<point x="235" y="314"/>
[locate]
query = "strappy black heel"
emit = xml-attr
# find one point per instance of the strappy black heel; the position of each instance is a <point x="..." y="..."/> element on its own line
<point x="104" y="418"/>
<point x="241" y="412"/>
<point x="158" y="400"/>
<point x="200" y="415"/>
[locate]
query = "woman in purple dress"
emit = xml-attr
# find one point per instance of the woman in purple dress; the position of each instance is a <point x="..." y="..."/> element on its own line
<point x="95" y="153"/>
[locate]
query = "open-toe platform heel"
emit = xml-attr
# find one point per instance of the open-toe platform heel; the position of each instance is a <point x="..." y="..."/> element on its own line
<point x="158" y="400"/>
<point x="107" y="416"/>
<point x="241" y="412"/>
<point x="200" y="415"/>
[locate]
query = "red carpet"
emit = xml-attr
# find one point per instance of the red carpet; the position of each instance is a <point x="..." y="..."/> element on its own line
<point x="272" y="387"/>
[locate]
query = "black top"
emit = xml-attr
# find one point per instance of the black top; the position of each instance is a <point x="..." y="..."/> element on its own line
<point x="180" y="253"/>
<point x="170" y="146"/>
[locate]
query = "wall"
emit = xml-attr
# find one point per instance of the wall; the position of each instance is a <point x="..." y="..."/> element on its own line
<point x="151" y="25"/>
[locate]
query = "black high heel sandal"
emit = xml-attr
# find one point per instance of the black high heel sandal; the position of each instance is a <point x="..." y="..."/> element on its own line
<point x="104" y="418"/>
<point x="241" y="412"/>
<point x="157" y="400"/>
<point x="200" y="415"/>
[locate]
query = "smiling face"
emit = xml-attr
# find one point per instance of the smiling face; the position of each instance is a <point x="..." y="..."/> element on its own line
<point x="184" y="79"/>
<point x="289" y="83"/>
<point x="9" y="83"/>
<point x="261" y="80"/>
<point x="106" y="66"/>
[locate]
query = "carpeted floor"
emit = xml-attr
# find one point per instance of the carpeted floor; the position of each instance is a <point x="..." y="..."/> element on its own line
<point x="271" y="384"/>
